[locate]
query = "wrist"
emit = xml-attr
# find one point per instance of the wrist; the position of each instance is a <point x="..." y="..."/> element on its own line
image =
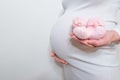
<point x="116" y="36"/>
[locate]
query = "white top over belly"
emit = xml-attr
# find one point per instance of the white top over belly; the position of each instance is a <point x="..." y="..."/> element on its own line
<point x="61" y="40"/>
<point x="103" y="8"/>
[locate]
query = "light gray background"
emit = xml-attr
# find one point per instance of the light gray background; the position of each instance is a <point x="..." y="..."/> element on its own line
<point x="24" y="39"/>
<point x="25" y="27"/>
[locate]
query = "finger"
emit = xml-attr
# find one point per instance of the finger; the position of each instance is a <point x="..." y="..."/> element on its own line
<point x="74" y="37"/>
<point x="71" y="34"/>
<point x="80" y="40"/>
<point x="60" y="60"/>
<point x="52" y="54"/>
<point x="57" y="58"/>
<point x="86" y="43"/>
<point x="94" y="43"/>
<point x="97" y="43"/>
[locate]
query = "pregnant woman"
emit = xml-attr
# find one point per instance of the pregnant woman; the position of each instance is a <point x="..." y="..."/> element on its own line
<point x="87" y="59"/>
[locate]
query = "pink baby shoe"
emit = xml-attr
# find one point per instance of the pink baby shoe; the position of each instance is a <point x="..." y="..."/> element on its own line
<point x="96" y="28"/>
<point x="79" y="22"/>
<point x="92" y="29"/>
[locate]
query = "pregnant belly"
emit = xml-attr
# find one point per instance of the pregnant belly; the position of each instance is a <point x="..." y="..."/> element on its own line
<point x="60" y="36"/>
<point x="62" y="43"/>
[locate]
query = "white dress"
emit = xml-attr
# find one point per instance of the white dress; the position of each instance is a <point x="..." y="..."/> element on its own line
<point x="85" y="63"/>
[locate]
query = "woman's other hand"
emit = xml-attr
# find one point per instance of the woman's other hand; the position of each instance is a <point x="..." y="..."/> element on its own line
<point x="58" y="59"/>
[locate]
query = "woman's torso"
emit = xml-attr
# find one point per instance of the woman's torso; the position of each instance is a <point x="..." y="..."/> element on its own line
<point x="67" y="48"/>
<point x="103" y="8"/>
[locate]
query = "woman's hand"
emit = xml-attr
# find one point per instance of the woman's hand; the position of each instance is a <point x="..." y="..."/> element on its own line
<point x="58" y="59"/>
<point x="110" y="36"/>
<point x="85" y="42"/>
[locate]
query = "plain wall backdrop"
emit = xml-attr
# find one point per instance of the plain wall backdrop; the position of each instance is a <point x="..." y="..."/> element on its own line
<point x="25" y="27"/>
<point x="24" y="39"/>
